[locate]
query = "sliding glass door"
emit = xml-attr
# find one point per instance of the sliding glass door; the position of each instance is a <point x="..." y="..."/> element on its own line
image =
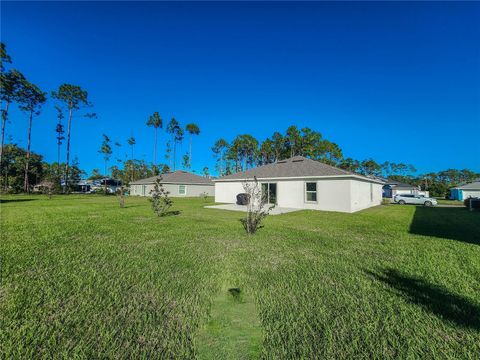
<point x="269" y="192"/>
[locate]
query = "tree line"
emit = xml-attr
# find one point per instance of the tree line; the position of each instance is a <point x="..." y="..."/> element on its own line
<point x="245" y="152"/>
<point x="15" y="88"/>
<point x="21" y="168"/>
<point x="131" y="169"/>
<point x="71" y="101"/>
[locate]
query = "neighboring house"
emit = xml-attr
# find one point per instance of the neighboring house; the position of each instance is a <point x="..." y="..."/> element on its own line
<point x="393" y="187"/>
<point x="465" y="191"/>
<point x="89" y="186"/>
<point x="303" y="183"/>
<point x="178" y="183"/>
<point x="99" y="185"/>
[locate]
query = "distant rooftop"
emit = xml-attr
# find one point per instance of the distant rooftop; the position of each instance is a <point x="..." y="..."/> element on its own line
<point x="400" y="185"/>
<point x="176" y="177"/>
<point x="471" y="186"/>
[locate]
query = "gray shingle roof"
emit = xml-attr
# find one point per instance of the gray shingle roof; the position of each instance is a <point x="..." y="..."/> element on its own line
<point x="176" y="177"/>
<point x="400" y="185"/>
<point x="297" y="166"/>
<point x="472" y="186"/>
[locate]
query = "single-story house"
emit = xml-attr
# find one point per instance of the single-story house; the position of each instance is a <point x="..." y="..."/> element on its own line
<point x="177" y="183"/>
<point x="393" y="187"/>
<point x="466" y="191"/>
<point x="304" y="183"/>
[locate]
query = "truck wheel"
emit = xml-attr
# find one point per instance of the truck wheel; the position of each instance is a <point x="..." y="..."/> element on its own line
<point x="402" y="202"/>
<point x="428" y="203"/>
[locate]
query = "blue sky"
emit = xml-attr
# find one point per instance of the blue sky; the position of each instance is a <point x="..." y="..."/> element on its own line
<point x="388" y="81"/>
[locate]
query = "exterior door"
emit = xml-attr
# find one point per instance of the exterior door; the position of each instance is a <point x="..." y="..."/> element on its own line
<point x="269" y="192"/>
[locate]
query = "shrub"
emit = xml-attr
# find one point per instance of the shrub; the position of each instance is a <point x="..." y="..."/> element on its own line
<point x="386" y="201"/>
<point x="120" y="193"/>
<point x="257" y="207"/>
<point x="160" y="200"/>
<point x="205" y="196"/>
<point x="48" y="188"/>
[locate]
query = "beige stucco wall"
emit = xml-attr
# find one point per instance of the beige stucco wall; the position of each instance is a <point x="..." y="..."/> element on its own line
<point x="191" y="190"/>
<point x="333" y="194"/>
<point x="364" y="194"/>
<point x="226" y="192"/>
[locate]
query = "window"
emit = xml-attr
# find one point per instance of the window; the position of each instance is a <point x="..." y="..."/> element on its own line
<point x="311" y="192"/>
<point x="143" y="190"/>
<point x="371" y="192"/>
<point x="182" y="189"/>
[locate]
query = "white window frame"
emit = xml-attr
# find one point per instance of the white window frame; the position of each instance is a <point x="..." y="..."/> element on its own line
<point x="306" y="192"/>
<point x="185" y="189"/>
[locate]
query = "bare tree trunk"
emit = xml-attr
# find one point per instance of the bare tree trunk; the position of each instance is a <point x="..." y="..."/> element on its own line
<point x="68" y="149"/>
<point x="105" y="179"/>
<point x="221" y="163"/>
<point x="174" y="155"/>
<point x="190" y="159"/>
<point x="4" y="121"/>
<point x="155" y="149"/>
<point x="26" y="187"/>
<point x="58" y="159"/>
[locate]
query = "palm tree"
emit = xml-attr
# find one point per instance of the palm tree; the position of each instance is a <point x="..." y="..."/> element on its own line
<point x="106" y="150"/>
<point x="219" y="148"/>
<point x="192" y="129"/>
<point x="59" y="129"/>
<point x="266" y="150"/>
<point x="73" y="97"/>
<point x="131" y="141"/>
<point x="156" y="121"/>
<point x="178" y="137"/>
<point x="117" y="147"/>
<point x="293" y="136"/>
<point x="172" y="129"/>
<point x="32" y="100"/>
<point x="245" y="147"/>
<point x="10" y="91"/>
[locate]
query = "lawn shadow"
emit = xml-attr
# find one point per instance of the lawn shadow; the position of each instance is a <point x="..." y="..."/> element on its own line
<point x="433" y="298"/>
<point x="2" y="201"/>
<point x="448" y="223"/>
<point x="172" y="213"/>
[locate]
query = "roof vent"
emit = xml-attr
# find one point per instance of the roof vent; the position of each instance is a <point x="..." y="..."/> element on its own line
<point x="297" y="160"/>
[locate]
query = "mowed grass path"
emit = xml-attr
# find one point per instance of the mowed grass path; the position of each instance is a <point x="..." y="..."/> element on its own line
<point x="82" y="278"/>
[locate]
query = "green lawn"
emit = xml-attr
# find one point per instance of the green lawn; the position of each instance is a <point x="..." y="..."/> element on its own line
<point x="82" y="278"/>
<point x="450" y="202"/>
